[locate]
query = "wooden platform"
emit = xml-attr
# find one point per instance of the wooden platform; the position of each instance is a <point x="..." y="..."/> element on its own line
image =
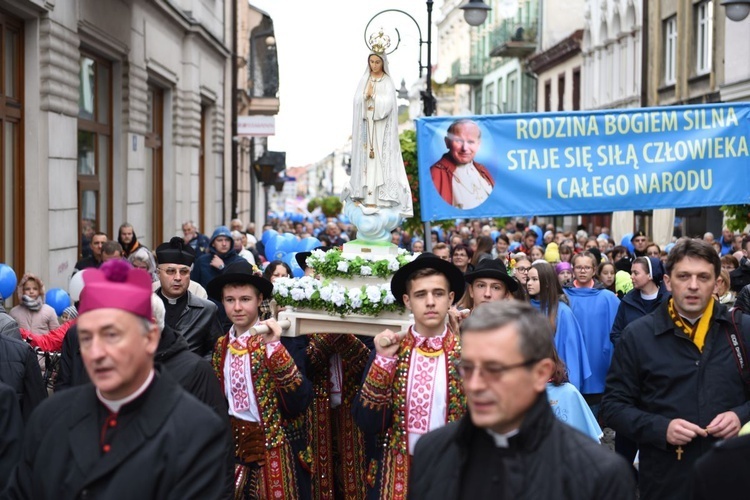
<point x="308" y="322"/>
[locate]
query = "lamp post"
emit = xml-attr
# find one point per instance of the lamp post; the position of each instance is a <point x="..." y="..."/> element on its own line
<point x="475" y="13"/>
<point x="736" y="10"/>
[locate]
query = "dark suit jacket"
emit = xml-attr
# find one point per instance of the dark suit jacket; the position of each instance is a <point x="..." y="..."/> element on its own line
<point x="199" y="324"/>
<point x="174" y="447"/>
<point x="11" y="431"/>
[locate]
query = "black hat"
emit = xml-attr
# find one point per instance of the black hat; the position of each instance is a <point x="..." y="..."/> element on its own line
<point x="637" y="234"/>
<point x="428" y="261"/>
<point x="301" y="257"/>
<point x="238" y="273"/>
<point x="175" y="251"/>
<point x="495" y="269"/>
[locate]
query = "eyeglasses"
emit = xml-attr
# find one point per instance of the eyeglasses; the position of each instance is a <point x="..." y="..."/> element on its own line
<point x="171" y="271"/>
<point x="583" y="268"/>
<point x="523" y="269"/>
<point x="490" y="373"/>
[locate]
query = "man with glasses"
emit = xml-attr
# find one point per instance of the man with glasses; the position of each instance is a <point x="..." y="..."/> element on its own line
<point x="511" y="445"/>
<point x="595" y="309"/>
<point x="194" y="318"/>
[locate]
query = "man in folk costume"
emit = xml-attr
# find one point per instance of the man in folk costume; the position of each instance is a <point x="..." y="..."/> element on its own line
<point x="268" y="393"/>
<point x="336" y="365"/>
<point x="412" y="385"/>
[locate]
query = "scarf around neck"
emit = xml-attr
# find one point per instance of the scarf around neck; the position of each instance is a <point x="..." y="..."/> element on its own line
<point x="696" y="332"/>
<point x="32" y="304"/>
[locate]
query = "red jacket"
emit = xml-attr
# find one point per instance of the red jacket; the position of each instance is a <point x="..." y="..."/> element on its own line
<point x="442" y="176"/>
<point x="51" y="341"/>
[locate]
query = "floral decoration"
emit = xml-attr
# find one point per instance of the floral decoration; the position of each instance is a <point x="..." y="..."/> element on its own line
<point x="337" y="300"/>
<point x="334" y="263"/>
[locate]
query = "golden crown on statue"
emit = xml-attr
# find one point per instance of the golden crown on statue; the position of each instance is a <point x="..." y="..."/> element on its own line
<point x="379" y="42"/>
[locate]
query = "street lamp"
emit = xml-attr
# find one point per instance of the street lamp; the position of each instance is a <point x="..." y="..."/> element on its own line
<point x="736" y="10"/>
<point x="475" y="12"/>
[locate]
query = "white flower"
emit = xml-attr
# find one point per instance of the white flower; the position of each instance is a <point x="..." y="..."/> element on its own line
<point x="393" y="265"/>
<point x="326" y="292"/>
<point x="309" y="290"/>
<point x="281" y="290"/>
<point x="389" y="298"/>
<point x="373" y="293"/>
<point x="365" y="271"/>
<point x="342" y="266"/>
<point x="338" y="297"/>
<point x="318" y="254"/>
<point x="298" y="294"/>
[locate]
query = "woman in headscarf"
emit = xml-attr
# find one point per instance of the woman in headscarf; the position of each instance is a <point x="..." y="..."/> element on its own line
<point x="647" y="294"/>
<point x="378" y="175"/>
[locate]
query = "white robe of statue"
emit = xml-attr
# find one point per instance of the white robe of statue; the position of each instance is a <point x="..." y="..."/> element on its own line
<point x="378" y="177"/>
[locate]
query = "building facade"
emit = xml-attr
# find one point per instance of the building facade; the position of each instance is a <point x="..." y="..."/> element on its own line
<point x="113" y="111"/>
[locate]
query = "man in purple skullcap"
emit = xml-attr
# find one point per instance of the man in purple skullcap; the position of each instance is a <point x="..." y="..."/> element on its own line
<point x="134" y="433"/>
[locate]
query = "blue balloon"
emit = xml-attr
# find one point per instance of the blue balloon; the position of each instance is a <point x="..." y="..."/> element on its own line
<point x="668" y="247"/>
<point x="267" y="234"/>
<point x="308" y="244"/>
<point x="514" y="246"/>
<point x="291" y="260"/>
<point x="343" y="218"/>
<point x="8" y="281"/>
<point x="494" y="234"/>
<point x="58" y="299"/>
<point x="627" y="243"/>
<point x="539" y="234"/>
<point x="271" y="246"/>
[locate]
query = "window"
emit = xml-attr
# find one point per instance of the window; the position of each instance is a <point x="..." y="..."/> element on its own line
<point x="547" y="95"/>
<point x="670" y="50"/>
<point x="94" y="149"/>
<point x="576" y="89"/>
<point x="11" y="136"/>
<point x="512" y="92"/>
<point x="155" y="163"/>
<point x="202" y="170"/>
<point x="704" y="18"/>
<point x="561" y="91"/>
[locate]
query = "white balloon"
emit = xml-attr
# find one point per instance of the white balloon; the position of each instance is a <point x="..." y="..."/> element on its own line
<point x="75" y="286"/>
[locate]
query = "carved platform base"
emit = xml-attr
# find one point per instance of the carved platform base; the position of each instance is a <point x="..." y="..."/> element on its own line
<point x="308" y="322"/>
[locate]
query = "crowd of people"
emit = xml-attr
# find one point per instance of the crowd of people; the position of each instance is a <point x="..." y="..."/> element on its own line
<point x="175" y="381"/>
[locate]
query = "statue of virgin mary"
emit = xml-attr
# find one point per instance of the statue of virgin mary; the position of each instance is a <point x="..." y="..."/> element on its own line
<point x="378" y="178"/>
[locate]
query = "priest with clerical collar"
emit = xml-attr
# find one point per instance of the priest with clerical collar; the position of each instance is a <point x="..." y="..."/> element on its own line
<point x="134" y="432"/>
<point x="194" y="318"/>
<point x="510" y="444"/>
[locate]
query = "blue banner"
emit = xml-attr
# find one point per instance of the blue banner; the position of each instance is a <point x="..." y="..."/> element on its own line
<point x="583" y="162"/>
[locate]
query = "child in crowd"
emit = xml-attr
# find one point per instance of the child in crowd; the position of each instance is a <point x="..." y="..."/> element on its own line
<point x="32" y="313"/>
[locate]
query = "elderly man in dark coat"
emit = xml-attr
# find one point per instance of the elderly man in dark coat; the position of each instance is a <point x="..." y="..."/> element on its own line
<point x="134" y="433"/>
<point x="193" y="318"/>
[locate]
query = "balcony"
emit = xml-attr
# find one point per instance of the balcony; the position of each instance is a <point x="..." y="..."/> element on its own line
<point x="517" y="37"/>
<point x="462" y="71"/>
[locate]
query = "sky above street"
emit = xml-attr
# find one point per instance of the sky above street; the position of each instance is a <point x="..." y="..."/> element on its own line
<point x="322" y="55"/>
